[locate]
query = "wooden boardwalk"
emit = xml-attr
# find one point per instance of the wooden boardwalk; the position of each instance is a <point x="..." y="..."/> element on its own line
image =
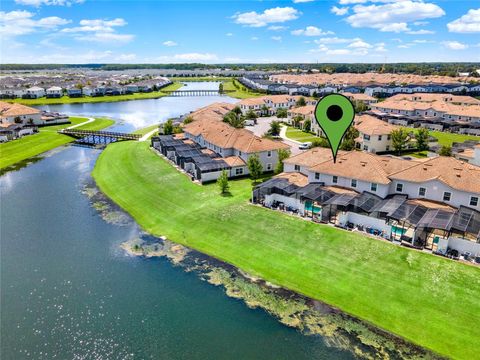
<point x="91" y="137"/>
<point x="197" y="92"/>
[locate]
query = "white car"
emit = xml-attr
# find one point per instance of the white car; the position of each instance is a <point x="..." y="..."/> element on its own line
<point x="305" y="146"/>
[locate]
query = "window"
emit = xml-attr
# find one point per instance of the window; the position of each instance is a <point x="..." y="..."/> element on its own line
<point x="389" y="137"/>
<point x="373" y="187"/>
<point x="387" y="148"/>
<point x="422" y="191"/>
<point x="269" y="166"/>
<point x="447" y="196"/>
<point x="239" y="171"/>
<point x="379" y="137"/>
<point x="474" y="201"/>
<point x="366" y="137"/>
<point x="365" y="147"/>
<point x="399" y="187"/>
<point x="354" y="183"/>
<point x="269" y="153"/>
<point x="334" y="179"/>
<point x="317" y="176"/>
<point x="239" y="153"/>
<point x="297" y="167"/>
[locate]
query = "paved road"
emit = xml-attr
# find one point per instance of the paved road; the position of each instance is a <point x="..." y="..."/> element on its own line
<point x="263" y="125"/>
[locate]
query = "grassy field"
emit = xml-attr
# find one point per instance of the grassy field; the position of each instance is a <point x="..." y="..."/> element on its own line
<point x="88" y="99"/>
<point x="445" y="138"/>
<point x="299" y="135"/>
<point x="429" y="300"/>
<point x="31" y="145"/>
<point x="238" y="93"/>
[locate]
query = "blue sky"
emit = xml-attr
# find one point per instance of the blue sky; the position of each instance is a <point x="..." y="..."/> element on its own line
<point x="88" y="31"/>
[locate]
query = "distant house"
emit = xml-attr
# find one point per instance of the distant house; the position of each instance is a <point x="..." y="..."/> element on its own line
<point x="34" y="92"/>
<point x="366" y="99"/>
<point x="374" y="134"/>
<point x="19" y="114"/>
<point x="74" y="92"/>
<point x="9" y="131"/>
<point x="54" y="92"/>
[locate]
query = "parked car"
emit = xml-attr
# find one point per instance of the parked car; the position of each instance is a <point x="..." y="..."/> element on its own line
<point x="305" y="146"/>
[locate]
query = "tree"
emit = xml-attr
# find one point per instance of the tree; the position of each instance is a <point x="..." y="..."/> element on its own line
<point x="297" y="120"/>
<point x="168" y="127"/>
<point x="220" y="88"/>
<point x="250" y="115"/>
<point x="399" y="139"/>
<point x="320" y="142"/>
<point x="422" y="139"/>
<point x="301" y="102"/>
<point x="282" y="155"/>
<point x="360" y="106"/>
<point x="254" y="167"/>
<point x="281" y="113"/>
<point x="307" y="125"/>
<point x="187" y="120"/>
<point x="237" y="110"/>
<point x="348" y="142"/>
<point x="445" y="150"/>
<point x="275" y="128"/>
<point x="222" y="182"/>
<point x="234" y="119"/>
<point x="264" y="109"/>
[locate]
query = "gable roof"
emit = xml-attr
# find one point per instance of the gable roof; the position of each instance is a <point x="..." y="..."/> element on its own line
<point x="312" y="157"/>
<point x="225" y="136"/>
<point x="363" y="166"/>
<point x="7" y="110"/>
<point x="452" y="172"/>
<point x="367" y="124"/>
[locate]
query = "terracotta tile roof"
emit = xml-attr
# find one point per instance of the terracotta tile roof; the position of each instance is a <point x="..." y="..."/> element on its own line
<point x="452" y="172"/>
<point x="431" y="204"/>
<point x="294" y="178"/>
<point x="430" y="97"/>
<point x="234" y="161"/>
<point x="214" y="111"/>
<point x="359" y="97"/>
<point x="8" y="110"/>
<point x="340" y="190"/>
<point x="367" y="124"/>
<point x="225" y="136"/>
<point x="312" y="157"/>
<point x="306" y="110"/>
<point x="363" y="166"/>
<point x="276" y="99"/>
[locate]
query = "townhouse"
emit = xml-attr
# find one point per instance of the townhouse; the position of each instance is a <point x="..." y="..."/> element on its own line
<point x="34" y="92"/>
<point x="366" y="99"/>
<point x="209" y="146"/>
<point x="54" y="92"/>
<point x="433" y="204"/>
<point x="19" y="114"/>
<point x="269" y="104"/>
<point x="374" y="134"/>
<point x="306" y="112"/>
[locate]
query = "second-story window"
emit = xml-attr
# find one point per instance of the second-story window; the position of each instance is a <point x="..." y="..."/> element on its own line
<point x="422" y="191"/>
<point x="354" y="183"/>
<point x="334" y="179"/>
<point x="474" y="201"/>
<point x="373" y="187"/>
<point x="447" y="196"/>
<point x="317" y="176"/>
<point x="379" y="137"/>
<point x="366" y="137"/>
<point x="399" y="187"/>
<point x="269" y="153"/>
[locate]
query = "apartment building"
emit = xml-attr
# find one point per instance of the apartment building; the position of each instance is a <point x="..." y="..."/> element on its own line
<point x="268" y="105"/>
<point x="374" y="134"/>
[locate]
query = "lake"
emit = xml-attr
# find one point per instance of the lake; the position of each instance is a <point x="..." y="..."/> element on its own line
<point x="68" y="291"/>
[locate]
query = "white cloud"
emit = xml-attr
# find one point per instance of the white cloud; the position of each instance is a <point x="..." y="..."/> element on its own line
<point x="169" y="43"/>
<point x="229" y="34"/>
<point x="254" y="38"/>
<point x="277" y="27"/>
<point x="277" y="38"/>
<point x="339" y="11"/>
<point x="420" y="23"/>
<point x="38" y="3"/>
<point x="126" y="57"/>
<point x="21" y="22"/>
<point x="357" y="44"/>
<point x="393" y="16"/>
<point x="302" y="1"/>
<point x="421" y="32"/>
<point x="196" y="57"/>
<point x="468" y="23"/>
<point x="331" y="40"/>
<point x="99" y="30"/>
<point x="380" y="47"/>
<point x="274" y="15"/>
<point x="338" y="52"/>
<point x="454" y="45"/>
<point x="311" y="31"/>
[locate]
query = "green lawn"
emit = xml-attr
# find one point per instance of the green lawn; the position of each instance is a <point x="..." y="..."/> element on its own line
<point x="445" y="138"/>
<point x="299" y="135"/>
<point x="89" y="99"/>
<point x="431" y="301"/>
<point x="239" y="93"/>
<point x="146" y="130"/>
<point x="28" y="146"/>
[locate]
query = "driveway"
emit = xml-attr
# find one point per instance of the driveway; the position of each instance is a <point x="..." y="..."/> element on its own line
<point x="263" y="125"/>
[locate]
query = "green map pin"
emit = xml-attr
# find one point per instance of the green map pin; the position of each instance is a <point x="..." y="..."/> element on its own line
<point x="334" y="113"/>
